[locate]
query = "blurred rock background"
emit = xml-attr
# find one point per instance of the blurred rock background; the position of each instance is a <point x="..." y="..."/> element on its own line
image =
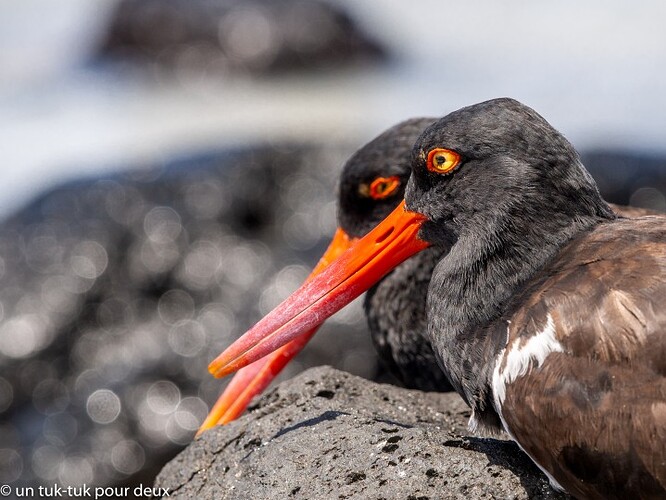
<point x="169" y="171"/>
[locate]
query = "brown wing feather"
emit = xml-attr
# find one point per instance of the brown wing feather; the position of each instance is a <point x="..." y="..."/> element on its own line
<point x="598" y="430"/>
<point x="594" y="415"/>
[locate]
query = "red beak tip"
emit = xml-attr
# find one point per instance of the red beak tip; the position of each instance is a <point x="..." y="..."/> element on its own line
<point x="217" y="370"/>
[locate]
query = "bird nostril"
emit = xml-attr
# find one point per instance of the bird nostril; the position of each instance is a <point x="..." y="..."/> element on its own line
<point x="384" y="235"/>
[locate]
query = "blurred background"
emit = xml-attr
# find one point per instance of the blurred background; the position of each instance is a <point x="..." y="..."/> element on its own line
<point x="169" y="170"/>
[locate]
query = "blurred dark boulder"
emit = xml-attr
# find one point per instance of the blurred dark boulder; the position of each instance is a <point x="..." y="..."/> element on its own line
<point x="328" y="435"/>
<point x="629" y="177"/>
<point x="225" y="36"/>
<point x="115" y="293"/>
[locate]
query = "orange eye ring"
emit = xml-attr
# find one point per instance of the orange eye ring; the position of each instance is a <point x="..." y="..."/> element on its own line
<point x="383" y="187"/>
<point x="442" y="161"/>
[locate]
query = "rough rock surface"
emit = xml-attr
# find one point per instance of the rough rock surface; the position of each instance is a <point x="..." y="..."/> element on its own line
<point x="328" y="434"/>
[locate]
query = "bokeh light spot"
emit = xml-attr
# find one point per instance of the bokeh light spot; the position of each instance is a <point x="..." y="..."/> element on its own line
<point x="163" y="397"/>
<point x="162" y="224"/>
<point x="12" y="465"/>
<point x="648" y="197"/>
<point x="249" y="36"/>
<point x="127" y="456"/>
<point x="6" y="394"/>
<point x="191" y="413"/>
<point x="103" y="406"/>
<point x="75" y="471"/>
<point x="89" y="260"/>
<point x="175" y="306"/>
<point x="187" y="338"/>
<point x="22" y="335"/>
<point x="46" y="461"/>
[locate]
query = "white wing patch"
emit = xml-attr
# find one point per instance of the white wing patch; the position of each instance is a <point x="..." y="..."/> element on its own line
<point x="520" y="360"/>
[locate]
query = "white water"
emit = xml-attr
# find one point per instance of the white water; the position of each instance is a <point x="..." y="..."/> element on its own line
<point x="595" y="71"/>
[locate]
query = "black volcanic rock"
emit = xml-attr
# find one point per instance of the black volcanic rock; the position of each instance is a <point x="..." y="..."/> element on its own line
<point x="236" y="36"/>
<point x="328" y="435"/>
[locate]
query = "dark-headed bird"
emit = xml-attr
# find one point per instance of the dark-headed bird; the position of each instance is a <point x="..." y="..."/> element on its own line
<point x="372" y="183"/>
<point x="547" y="312"/>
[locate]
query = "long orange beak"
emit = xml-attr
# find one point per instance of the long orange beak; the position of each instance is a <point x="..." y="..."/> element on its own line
<point x="394" y="240"/>
<point x="253" y="379"/>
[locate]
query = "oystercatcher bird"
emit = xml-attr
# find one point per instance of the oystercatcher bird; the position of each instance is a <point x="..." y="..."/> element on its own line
<point x="546" y="311"/>
<point x="372" y="183"/>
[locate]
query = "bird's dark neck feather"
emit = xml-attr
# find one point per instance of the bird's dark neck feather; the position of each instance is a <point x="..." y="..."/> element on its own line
<point x="488" y="264"/>
<point x="396" y="312"/>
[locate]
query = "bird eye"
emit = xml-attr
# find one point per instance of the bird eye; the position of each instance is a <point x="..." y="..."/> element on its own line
<point x="383" y="187"/>
<point x="442" y="161"/>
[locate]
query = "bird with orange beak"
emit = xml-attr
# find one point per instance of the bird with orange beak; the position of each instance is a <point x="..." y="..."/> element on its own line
<point x="372" y="183"/>
<point x="546" y="311"/>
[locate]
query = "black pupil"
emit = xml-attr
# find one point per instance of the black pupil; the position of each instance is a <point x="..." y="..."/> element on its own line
<point x="381" y="187"/>
<point x="440" y="159"/>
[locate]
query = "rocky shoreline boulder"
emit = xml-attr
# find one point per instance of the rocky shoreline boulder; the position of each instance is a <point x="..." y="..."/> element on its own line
<point x="326" y="434"/>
